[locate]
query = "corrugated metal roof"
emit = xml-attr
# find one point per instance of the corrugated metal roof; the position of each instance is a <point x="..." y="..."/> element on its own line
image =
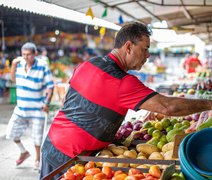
<point x="193" y="16"/>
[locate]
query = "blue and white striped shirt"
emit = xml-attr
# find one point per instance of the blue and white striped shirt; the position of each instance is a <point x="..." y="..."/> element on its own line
<point x="31" y="88"/>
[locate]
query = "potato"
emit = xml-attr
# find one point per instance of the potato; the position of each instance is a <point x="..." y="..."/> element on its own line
<point x="99" y="164"/>
<point x="168" y="155"/>
<point x="145" y="166"/>
<point x="167" y="147"/>
<point x="123" y="165"/>
<point x="117" y="150"/>
<point x="141" y="157"/>
<point x="146" y="148"/>
<point x="130" y="154"/>
<point x="141" y="154"/>
<point x="106" y="152"/>
<point x="110" y="164"/>
<point x="123" y="147"/>
<point x="156" y="155"/>
<point x="110" y="146"/>
<point x="121" y="156"/>
<point x="135" y="165"/>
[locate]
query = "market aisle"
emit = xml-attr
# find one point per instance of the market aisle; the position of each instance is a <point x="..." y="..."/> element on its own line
<point x="9" y="152"/>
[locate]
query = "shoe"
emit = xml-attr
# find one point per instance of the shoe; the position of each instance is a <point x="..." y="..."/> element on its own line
<point x="22" y="158"/>
<point x="37" y="165"/>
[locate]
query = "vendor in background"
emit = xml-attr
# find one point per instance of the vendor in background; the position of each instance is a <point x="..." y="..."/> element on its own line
<point x="99" y="96"/>
<point x="2" y="61"/>
<point x="34" y="87"/>
<point x="191" y="63"/>
<point x="43" y="55"/>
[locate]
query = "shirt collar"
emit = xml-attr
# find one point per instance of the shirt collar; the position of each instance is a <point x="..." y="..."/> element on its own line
<point x="114" y="58"/>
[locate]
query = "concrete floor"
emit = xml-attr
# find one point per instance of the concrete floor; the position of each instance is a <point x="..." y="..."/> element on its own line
<point x="9" y="152"/>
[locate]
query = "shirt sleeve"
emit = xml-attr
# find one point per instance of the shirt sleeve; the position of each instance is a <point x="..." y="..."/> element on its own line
<point x="133" y="93"/>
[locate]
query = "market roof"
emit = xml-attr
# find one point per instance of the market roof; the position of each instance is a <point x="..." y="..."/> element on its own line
<point x="193" y="16"/>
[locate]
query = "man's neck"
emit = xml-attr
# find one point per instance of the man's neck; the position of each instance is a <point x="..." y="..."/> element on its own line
<point x="120" y="57"/>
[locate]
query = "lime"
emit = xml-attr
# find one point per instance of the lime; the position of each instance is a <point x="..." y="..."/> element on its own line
<point x="175" y="174"/>
<point x="165" y="123"/>
<point x="153" y="123"/>
<point x="160" y="144"/>
<point x="182" y="175"/>
<point x="150" y="130"/>
<point x="147" y="125"/>
<point x="185" y="122"/>
<point x="169" y="128"/>
<point x="158" y="126"/>
<point x="173" y="121"/>
<point x="156" y="134"/>
<point x="177" y="125"/>
<point x="163" y="138"/>
<point x="153" y="141"/>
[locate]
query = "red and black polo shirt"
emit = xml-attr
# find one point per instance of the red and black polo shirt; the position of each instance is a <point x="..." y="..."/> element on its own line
<point x="96" y="103"/>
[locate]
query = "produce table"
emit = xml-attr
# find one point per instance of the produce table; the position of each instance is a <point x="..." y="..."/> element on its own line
<point x="84" y="159"/>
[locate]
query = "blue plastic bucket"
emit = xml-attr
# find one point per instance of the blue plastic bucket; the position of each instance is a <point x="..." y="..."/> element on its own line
<point x="199" y="151"/>
<point x="188" y="171"/>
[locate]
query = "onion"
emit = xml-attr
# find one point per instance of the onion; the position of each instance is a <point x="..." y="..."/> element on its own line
<point x="189" y="118"/>
<point x="196" y="116"/>
<point x="118" y="136"/>
<point x="141" y="137"/>
<point x="137" y="135"/>
<point x="137" y="126"/>
<point x="126" y="132"/>
<point x="128" y="125"/>
<point x="144" y="132"/>
<point x="147" y="137"/>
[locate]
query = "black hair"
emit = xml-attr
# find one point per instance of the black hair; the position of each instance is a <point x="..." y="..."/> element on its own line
<point x="131" y="32"/>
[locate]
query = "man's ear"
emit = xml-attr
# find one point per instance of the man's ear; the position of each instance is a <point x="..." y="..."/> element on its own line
<point x="128" y="46"/>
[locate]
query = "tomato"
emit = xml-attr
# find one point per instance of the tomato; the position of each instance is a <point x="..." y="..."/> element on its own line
<point x="155" y="171"/>
<point x="90" y="177"/>
<point x="79" y="168"/>
<point x="99" y="176"/>
<point x="79" y="176"/>
<point x="73" y="169"/>
<point x="69" y="176"/>
<point x="117" y="172"/>
<point x="121" y="176"/>
<point x="131" y="177"/>
<point x="89" y="165"/>
<point x="133" y="171"/>
<point x="108" y="171"/>
<point x="92" y="171"/>
<point x="70" y="171"/>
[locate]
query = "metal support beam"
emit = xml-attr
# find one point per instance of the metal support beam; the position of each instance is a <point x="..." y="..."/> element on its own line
<point x="185" y="11"/>
<point x="156" y="17"/>
<point x="120" y="10"/>
<point x="162" y="3"/>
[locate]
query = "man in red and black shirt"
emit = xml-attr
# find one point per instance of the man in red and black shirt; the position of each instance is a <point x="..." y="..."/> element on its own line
<point x="100" y="93"/>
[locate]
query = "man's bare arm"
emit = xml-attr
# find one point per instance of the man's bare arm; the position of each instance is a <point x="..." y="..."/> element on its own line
<point x="13" y="67"/>
<point x="174" y="106"/>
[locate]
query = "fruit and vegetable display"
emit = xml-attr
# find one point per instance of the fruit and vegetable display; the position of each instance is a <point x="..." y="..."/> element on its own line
<point x="142" y="149"/>
<point x="198" y="89"/>
<point x="90" y="171"/>
<point x="155" y="132"/>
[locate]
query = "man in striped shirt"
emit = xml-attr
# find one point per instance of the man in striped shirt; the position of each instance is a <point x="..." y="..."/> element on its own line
<point x="34" y="87"/>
